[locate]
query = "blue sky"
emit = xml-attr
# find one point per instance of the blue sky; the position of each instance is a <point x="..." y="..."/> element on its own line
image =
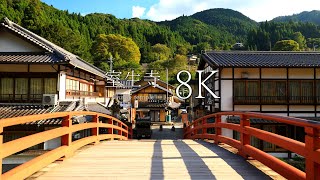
<point x="160" y="10"/>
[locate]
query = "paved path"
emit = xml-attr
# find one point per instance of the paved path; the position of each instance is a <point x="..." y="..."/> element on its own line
<point x="166" y="132"/>
<point x="154" y="159"/>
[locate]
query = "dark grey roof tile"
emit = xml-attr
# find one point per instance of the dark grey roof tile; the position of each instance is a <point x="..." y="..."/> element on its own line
<point x="262" y="59"/>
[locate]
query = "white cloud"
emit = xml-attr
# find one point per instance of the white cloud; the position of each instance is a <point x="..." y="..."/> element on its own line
<point x="256" y="10"/>
<point x="138" y="11"/>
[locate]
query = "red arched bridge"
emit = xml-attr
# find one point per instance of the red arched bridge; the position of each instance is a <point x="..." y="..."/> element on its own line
<point x="161" y="159"/>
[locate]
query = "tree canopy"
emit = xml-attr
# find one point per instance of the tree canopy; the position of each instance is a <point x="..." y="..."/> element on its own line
<point x="286" y="45"/>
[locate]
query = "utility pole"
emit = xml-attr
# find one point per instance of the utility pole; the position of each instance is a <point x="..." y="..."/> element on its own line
<point x="111" y="62"/>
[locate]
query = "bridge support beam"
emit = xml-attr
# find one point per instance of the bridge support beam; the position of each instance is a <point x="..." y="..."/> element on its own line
<point x="312" y="144"/>
<point x="66" y="140"/>
<point x="244" y="138"/>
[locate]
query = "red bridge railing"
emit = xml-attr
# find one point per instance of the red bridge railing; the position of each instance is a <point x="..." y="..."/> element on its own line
<point x="310" y="149"/>
<point x="67" y="147"/>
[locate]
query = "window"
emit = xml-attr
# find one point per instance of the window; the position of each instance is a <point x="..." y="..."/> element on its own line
<point x="301" y="91"/>
<point x="36" y="88"/>
<point x="273" y="92"/>
<point x="50" y="85"/>
<point x="6" y="88"/>
<point x="21" y="89"/>
<point x="246" y="91"/>
<point x="277" y="129"/>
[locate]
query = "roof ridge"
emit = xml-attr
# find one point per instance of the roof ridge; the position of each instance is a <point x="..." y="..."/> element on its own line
<point x="263" y="52"/>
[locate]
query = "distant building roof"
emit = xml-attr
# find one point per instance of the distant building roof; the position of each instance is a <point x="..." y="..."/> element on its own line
<point x="262" y="59"/>
<point x="54" y="55"/>
<point x="17" y="110"/>
<point x="153" y="85"/>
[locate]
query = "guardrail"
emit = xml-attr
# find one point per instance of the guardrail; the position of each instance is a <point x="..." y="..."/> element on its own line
<point x="65" y="132"/>
<point x="310" y="149"/>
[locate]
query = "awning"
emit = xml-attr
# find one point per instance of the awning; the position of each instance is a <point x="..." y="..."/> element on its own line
<point x="145" y="110"/>
<point x="174" y="105"/>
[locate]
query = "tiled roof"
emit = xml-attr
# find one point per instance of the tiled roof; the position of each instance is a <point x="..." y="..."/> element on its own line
<point x="56" y="53"/>
<point x="17" y="110"/>
<point x="262" y="59"/>
<point x="96" y="107"/>
<point x="152" y="105"/>
<point x="28" y="58"/>
<point x="9" y="111"/>
<point x="236" y="120"/>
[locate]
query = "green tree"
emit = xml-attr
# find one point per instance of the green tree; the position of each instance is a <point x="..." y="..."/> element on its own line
<point x="300" y="39"/>
<point x="286" y="45"/>
<point x="124" y="50"/>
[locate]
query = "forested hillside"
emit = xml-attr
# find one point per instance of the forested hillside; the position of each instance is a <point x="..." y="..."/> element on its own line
<point x="131" y="42"/>
<point x="306" y="16"/>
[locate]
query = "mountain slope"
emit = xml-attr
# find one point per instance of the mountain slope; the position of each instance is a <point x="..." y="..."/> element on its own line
<point x="227" y="19"/>
<point x="306" y="16"/>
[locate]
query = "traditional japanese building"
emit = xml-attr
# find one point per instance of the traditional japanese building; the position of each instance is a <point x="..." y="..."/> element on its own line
<point x="37" y="76"/>
<point x="154" y="99"/>
<point x="280" y="83"/>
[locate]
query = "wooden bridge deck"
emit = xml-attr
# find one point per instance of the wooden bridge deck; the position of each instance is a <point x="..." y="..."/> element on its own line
<point x="154" y="159"/>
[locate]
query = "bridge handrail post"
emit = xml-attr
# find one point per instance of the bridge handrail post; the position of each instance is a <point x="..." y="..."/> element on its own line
<point x="110" y="130"/>
<point x="119" y="131"/>
<point x="217" y="129"/>
<point x="95" y="130"/>
<point x="195" y="131"/>
<point x="204" y="129"/>
<point x="244" y="138"/>
<point x="66" y="140"/>
<point x="312" y="144"/>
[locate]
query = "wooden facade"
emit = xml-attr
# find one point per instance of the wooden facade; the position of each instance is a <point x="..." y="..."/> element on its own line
<point x="279" y="83"/>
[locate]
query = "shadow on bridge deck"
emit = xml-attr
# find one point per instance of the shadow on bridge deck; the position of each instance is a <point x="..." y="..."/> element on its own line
<point x="154" y="159"/>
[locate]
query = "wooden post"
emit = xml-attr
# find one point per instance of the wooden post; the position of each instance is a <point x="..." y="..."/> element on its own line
<point x="66" y="140"/>
<point x="244" y="138"/>
<point x="119" y="131"/>
<point x="195" y="131"/>
<point x="204" y="129"/>
<point x="127" y="134"/>
<point x="217" y="129"/>
<point x="110" y="130"/>
<point x="184" y="118"/>
<point x="312" y="144"/>
<point x="95" y="130"/>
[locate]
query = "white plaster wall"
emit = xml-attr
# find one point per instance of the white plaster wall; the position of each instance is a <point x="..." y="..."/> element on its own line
<point x="226" y="95"/>
<point x="13" y="68"/>
<point x="252" y="72"/>
<point x="100" y="100"/>
<point x="62" y="85"/>
<point x="301" y="108"/>
<point x="301" y="73"/>
<point x="52" y="144"/>
<point x="279" y="114"/>
<point x="246" y="108"/>
<point x="274" y="108"/>
<point x="12" y="43"/>
<point x="274" y="73"/>
<point x="302" y="114"/>
<point x="226" y="132"/>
